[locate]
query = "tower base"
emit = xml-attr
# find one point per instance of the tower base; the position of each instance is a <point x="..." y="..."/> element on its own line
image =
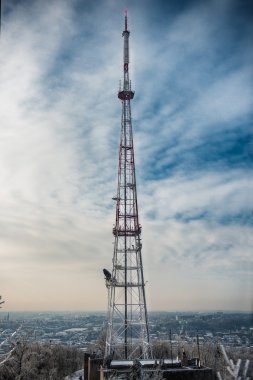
<point x="157" y="369"/>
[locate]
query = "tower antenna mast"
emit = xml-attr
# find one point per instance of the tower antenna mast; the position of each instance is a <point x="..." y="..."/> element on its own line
<point x="127" y="334"/>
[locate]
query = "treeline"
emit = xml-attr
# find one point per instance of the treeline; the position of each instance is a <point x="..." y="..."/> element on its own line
<point x="34" y="361"/>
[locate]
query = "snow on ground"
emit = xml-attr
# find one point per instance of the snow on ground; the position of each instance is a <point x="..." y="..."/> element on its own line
<point x="75" y="376"/>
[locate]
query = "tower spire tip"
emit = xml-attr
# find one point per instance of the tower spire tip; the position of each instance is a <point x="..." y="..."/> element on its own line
<point x="125" y="11"/>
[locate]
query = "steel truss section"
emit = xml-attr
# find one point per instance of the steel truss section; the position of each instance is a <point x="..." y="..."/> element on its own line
<point x="127" y="330"/>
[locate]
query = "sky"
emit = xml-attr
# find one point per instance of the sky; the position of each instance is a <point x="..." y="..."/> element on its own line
<point x="191" y="69"/>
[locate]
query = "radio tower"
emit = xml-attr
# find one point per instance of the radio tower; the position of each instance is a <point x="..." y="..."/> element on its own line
<point x="127" y="335"/>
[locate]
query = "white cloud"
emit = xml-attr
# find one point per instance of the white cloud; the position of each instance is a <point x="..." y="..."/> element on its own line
<point x="217" y="194"/>
<point x="60" y="124"/>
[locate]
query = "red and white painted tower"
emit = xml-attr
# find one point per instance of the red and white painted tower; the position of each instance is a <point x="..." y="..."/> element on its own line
<point x="127" y="335"/>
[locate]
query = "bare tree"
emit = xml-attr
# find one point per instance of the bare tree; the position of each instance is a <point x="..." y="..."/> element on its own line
<point x="34" y="361"/>
<point x="237" y="371"/>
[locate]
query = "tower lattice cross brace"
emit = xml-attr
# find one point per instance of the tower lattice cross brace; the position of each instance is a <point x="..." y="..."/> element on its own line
<point x="127" y="330"/>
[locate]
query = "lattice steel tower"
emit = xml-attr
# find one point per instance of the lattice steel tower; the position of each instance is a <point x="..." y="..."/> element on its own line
<point x="127" y="331"/>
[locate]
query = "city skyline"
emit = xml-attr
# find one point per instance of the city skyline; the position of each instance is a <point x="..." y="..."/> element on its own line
<point x="191" y="70"/>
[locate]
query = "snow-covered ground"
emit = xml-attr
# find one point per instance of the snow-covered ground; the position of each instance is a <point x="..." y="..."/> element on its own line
<point x="75" y="376"/>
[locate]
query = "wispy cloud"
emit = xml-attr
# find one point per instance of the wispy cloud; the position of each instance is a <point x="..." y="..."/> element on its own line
<point x="191" y="68"/>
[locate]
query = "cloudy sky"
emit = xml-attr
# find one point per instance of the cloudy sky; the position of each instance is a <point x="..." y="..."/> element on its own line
<point x="191" y="69"/>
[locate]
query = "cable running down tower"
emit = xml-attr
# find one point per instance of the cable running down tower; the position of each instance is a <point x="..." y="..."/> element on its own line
<point x="127" y="335"/>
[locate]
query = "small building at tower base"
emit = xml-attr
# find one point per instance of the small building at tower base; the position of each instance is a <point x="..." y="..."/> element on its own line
<point x="155" y="369"/>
